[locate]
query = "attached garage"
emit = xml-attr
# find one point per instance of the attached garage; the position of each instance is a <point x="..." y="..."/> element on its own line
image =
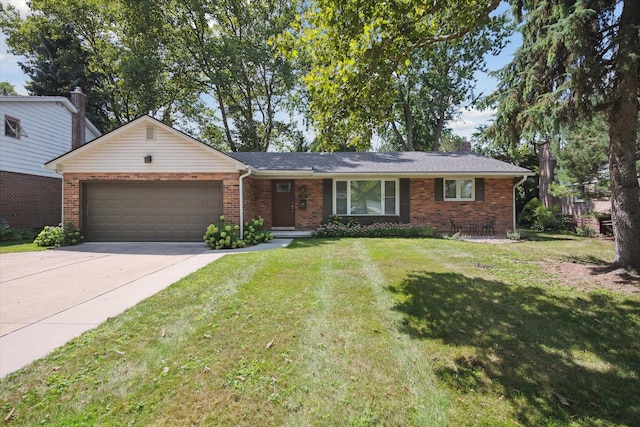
<point x="127" y="211"/>
<point x="148" y="182"/>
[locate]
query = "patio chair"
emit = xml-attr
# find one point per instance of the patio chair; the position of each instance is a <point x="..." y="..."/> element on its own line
<point x="491" y="221"/>
<point x="454" y="227"/>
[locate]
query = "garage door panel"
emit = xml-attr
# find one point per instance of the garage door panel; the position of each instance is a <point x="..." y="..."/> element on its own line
<point x="150" y="211"/>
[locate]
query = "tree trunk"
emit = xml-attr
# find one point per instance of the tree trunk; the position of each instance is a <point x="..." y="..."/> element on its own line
<point x="438" y="132"/>
<point x="225" y="122"/>
<point x="398" y="134"/>
<point x="623" y="130"/>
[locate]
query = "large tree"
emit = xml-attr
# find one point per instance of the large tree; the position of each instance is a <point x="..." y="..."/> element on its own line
<point x="579" y="59"/>
<point x="356" y="47"/>
<point x="115" y="50"/>
<point x="229" y="44"/>
<point x="438" y="81"/>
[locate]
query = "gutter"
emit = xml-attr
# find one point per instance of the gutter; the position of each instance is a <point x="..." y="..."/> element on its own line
<point x="524" y="178"/>
<point x="242" y="202"/>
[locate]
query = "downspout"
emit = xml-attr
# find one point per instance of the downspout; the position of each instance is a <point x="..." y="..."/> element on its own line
<point x="524" y="178"/>
<point x="242" y="203"/>
<point x="59" y="172"/>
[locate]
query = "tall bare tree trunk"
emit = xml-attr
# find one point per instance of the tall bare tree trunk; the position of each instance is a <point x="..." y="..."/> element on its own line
<point x="623" y="131"/>
<point x="225" y="122"/>
<point x="439" y="128"/>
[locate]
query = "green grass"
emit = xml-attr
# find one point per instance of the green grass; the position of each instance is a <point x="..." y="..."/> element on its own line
<point x="354" y="332"/>
<point x="19" y="246"/>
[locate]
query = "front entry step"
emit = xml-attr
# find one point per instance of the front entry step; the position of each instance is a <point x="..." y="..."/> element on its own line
<point x="291" y="234"/>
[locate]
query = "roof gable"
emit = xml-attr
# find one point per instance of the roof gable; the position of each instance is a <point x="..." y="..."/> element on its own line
<point x="125" y="149"/>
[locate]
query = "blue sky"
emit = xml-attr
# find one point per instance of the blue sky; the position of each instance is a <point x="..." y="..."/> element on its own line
<point x="465" y="126"/>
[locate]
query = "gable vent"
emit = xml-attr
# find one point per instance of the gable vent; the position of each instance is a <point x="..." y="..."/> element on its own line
<point x="151" y="133"/>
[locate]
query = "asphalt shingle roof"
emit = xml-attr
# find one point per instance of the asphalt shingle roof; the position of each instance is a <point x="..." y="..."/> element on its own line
<point x="410" y="162"/>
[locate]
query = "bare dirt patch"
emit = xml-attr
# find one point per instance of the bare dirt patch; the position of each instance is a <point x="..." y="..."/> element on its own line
<point x="593" y="277"/>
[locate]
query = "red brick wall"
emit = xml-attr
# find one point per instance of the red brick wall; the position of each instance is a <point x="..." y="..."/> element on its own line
<point x="73" y="183"/>
<point x="311" y="217"/>
<point x="425" y="210"/>
<point x="259" y="199"/>
<point x="498" y="201"/>
<point x="30" y="201"/>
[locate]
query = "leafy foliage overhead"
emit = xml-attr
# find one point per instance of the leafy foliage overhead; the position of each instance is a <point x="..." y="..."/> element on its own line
<point x="354" y="48"/>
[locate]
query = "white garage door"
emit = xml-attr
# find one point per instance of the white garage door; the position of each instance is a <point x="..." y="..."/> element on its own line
<point x="156" y="211"/>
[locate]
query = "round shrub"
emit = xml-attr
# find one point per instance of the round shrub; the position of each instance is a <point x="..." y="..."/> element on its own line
<point x="223" y="235"/>
<point x="50" y="236"/>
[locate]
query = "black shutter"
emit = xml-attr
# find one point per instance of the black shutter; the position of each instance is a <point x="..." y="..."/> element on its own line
<point x="439" y="184"/>
<point x="479" y="189"/>
<point x="405" y="201"/>
<point x="327" y="199"/>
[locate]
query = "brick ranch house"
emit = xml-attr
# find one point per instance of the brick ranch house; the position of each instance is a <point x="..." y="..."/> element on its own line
<point x="149" y="182"/>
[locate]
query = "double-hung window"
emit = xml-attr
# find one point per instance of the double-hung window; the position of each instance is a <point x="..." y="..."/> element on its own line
<point x="365" y="197"/>
<point x="458" y="189"/>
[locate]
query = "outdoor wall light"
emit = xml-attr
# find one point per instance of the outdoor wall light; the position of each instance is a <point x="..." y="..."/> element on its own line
<point x="147" y="159"/>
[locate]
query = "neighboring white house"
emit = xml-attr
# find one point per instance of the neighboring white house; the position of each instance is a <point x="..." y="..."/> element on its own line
<point x="37" y="129"/>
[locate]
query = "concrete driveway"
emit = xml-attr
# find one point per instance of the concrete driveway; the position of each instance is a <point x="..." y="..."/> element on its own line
<point x="49" y="297"/>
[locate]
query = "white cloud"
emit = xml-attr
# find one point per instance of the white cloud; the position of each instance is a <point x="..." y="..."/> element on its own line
<point x="470" y="120"/>
<point x="21" y="5"/>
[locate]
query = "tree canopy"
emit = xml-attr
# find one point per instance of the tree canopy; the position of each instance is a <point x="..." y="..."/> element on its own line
<point x="354" y="48"/>
<point x="438" y="81"/>
<point x="7" y="88"/>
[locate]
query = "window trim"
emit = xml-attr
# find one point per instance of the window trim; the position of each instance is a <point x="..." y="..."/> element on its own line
<point x="382" y="181"/>
<point x="16" y="130"/>
<point x="458" y="189"/>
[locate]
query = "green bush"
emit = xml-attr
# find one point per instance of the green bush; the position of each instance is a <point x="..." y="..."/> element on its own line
<point x="539" y="218"/>
<point x="381" y="229"/>
<point x="513" y="235"/>
<point x="547" y="219"/>
<point x="254" y="232"/>
<point x="52" y="236"/>
<point x="223" y="235"/>
<point x="585" y="231"/>
<point x="527" y="216"/>
<point x="17" y="234"/>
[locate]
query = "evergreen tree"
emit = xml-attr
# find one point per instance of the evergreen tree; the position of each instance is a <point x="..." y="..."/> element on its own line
<point x="579" y="58"/>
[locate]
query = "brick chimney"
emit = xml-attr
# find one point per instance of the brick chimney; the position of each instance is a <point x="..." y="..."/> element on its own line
<point x="78" y="120"/>
<point x="464" y="145"/>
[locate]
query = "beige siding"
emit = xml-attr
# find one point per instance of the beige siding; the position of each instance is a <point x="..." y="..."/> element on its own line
<point x="125" y="151"/>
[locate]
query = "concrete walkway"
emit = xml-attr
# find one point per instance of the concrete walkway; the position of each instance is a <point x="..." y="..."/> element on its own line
<point x="50" y="297"/>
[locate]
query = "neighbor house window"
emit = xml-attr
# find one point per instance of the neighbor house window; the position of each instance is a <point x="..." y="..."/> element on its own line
<point x="458" y="189"/>
<point x="366" y="197"/>
<point x="11" y="127"/>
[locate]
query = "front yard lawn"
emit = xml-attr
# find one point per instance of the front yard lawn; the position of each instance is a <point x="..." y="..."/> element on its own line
<point x="360" y="332"/>
<point x="20" y="246"/>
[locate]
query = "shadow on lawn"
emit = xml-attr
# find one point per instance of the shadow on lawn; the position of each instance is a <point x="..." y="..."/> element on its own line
<point x="525" y="340"/>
